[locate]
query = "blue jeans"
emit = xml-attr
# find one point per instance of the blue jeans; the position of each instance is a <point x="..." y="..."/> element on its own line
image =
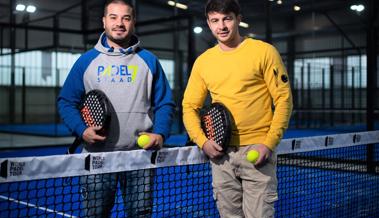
<point x="99" y="193"/>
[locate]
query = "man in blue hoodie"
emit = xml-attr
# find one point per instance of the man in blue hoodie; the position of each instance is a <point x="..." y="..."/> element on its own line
<point x="133" y="80"/>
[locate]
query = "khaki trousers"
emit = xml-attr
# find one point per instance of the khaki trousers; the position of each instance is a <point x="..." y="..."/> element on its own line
<point x="242" y="190"/>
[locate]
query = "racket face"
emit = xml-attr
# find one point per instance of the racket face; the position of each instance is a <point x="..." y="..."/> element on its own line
<point x="94" y="109"/>
<point x="215" y="122"/>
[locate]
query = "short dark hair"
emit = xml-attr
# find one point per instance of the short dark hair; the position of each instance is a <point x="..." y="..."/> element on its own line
<point x="223" y="6"/>
<point x="124" y="2"/>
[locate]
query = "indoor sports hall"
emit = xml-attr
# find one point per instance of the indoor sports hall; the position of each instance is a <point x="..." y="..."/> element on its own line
<point x="327" y="161"/>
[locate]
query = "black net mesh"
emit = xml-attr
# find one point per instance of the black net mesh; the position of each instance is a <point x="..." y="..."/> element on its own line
<point x="335" y="182"/>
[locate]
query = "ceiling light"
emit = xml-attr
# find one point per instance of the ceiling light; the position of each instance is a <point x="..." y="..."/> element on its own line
<point x="178" y="5"/>
<point x="244" y="25"/>
<point x="31" y="8"/>
<point x="360" y="8"/>
<point x="197" y="30"/>
<point x="20" y="7"/>
<point x="357" y="8"/>
<point x="296" y="8"/>
<point x="279" y="2"/>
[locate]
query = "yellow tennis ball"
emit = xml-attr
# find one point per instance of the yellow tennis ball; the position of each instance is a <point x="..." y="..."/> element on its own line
<point x="252" y="156"/>
<point x="143" y="140"/>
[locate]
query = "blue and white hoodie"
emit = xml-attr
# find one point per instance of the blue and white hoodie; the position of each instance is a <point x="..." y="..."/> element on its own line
<point x="136" y="86"/>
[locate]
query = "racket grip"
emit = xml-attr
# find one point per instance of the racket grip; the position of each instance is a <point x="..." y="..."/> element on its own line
<point x="101" y="132"/>
<point x="74" y="146"/>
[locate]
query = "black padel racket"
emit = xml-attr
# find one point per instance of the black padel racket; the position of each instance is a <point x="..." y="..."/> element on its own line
<point x="216" y="124"/>
<point x="95" y="111"/>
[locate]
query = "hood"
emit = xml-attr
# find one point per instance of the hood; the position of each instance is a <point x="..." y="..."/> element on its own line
<point x="103" y="47"/>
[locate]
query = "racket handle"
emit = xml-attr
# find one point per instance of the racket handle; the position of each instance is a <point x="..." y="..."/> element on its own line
<point x="74" y="146"/>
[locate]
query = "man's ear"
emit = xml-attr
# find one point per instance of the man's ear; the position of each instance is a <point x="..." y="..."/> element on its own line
<point x="239" y="18"/>
<point x="104" y="22"/>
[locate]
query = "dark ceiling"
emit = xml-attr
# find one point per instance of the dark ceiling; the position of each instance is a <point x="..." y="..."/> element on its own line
<point x="285" y="21"/>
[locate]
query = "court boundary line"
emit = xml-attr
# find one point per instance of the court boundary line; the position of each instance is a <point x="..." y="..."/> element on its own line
<point x="35" y="206"/>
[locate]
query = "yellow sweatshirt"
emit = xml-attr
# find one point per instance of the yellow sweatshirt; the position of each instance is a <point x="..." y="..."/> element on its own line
<point x="248" y="80"/>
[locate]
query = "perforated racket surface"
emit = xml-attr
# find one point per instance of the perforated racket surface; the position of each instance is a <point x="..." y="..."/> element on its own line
<point x="95" y="112"/>
<point x="94" y="109"/>
<point x="216" y="124"/>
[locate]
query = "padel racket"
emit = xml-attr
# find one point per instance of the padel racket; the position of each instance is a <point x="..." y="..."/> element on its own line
<point x="216" y="124"/>
<point x="95" y="111"/>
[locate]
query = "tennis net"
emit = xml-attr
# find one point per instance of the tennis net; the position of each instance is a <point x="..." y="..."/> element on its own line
<point x="322" y="176"/>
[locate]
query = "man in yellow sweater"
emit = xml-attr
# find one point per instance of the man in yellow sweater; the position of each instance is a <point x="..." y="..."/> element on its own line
<point x="249" y="78"/>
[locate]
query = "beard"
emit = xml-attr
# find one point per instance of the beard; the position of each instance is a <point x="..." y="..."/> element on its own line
<point x="117" y="39"/>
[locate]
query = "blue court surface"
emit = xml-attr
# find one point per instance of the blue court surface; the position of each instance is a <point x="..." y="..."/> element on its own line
<point x="185" y="191"/>
<point x="36" y="129"/>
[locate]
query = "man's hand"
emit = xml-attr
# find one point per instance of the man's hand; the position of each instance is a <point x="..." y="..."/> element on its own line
<point x="212" y="149"/>
<point x="90" y="135"/>
<point x="264" y="154"/>
<point x="156" y="141"/>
